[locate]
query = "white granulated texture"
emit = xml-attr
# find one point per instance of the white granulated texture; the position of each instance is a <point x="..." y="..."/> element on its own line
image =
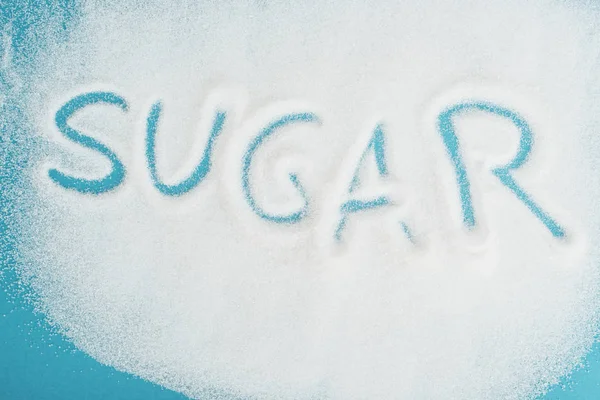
<point x="198" y="294"/>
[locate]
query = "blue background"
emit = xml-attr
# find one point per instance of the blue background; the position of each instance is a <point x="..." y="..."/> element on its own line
<point x="35" y="363"/>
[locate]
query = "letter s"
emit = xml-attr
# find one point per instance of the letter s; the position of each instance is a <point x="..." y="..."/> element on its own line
<point x="116" y="176"/>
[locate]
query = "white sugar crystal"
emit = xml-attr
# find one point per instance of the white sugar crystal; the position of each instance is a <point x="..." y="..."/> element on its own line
<point x="199" y="294"/>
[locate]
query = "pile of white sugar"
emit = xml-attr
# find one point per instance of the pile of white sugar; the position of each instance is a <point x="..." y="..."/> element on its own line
<point x="202" y="294"/>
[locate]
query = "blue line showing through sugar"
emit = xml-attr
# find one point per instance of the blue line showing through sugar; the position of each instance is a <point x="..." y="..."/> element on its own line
<point x="452" y="144"/>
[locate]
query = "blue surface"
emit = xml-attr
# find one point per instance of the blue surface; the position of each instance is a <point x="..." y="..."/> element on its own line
<point x="36" y="364"/>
